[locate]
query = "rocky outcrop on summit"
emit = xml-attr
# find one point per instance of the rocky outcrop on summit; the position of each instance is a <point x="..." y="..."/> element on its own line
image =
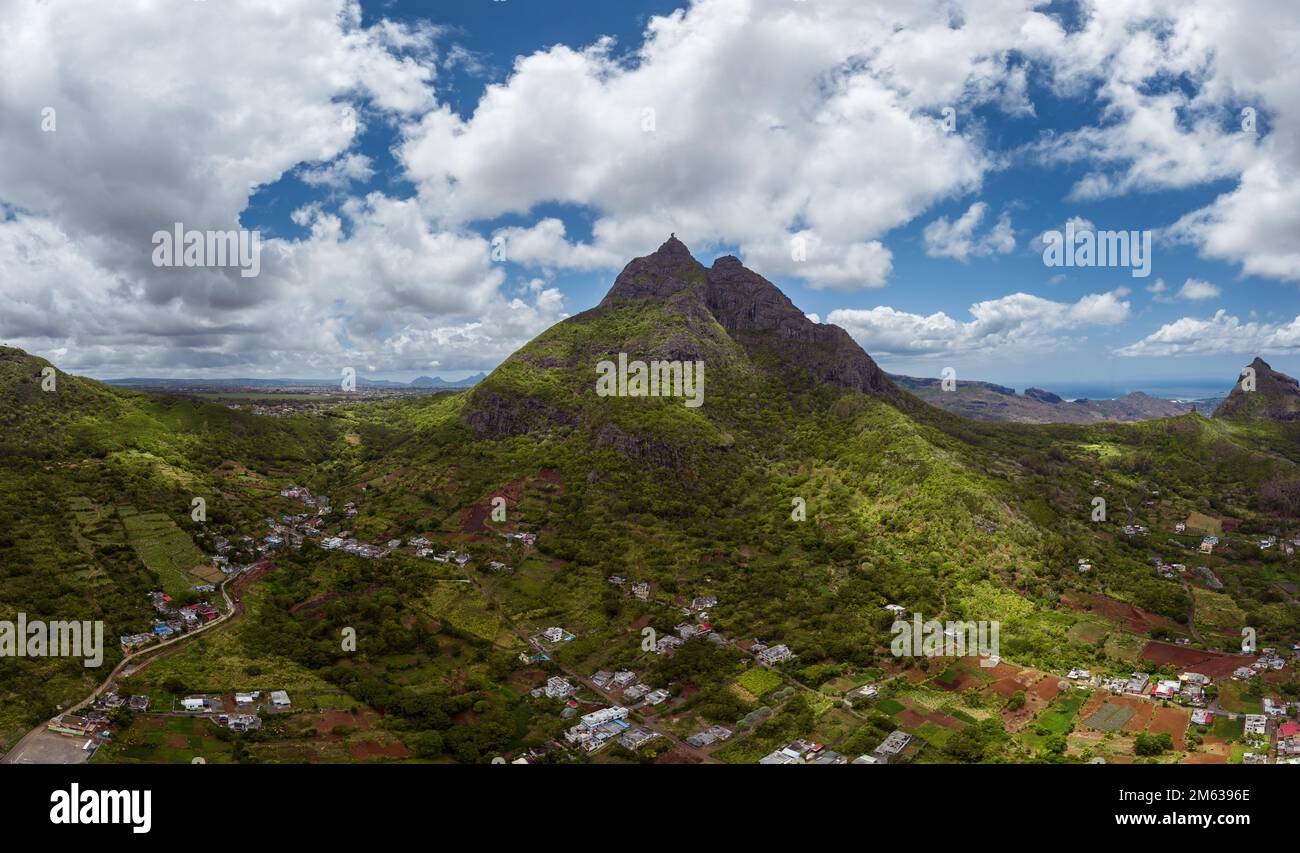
<point x="751" y="309"/>
<point x="758" y="314"/>
<point x="668" y="307"/>
<point x="1276" y="396"/>
<point x="669" y="275"/>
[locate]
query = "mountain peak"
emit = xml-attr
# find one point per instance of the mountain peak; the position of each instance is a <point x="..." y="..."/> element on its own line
<point x="673" y="248"/>
<point x="1275" y="396"/>
<point x="671" y="270"/>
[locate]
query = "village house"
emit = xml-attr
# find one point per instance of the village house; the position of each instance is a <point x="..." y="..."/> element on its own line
<point x="704" y="602"/>
<point x="71" y="725"/>
<point x="1256" y="724"/>
<point x="598" y="728"/>
<point x="280" y="700"/>
<point x="1165" y="689"/>
<point x="709" y="736"/>
<point x="623" y="677"/>
<point x="1202" y="717"/>
<point x="779" y="756"/>
<point x="558" y="688"/>
<point x="641" y="591"/>
<point x="636" y="738"/>
<point x="602" y="679"/>
<point x="1288" y="738"/>
<point x="667" y="644"/>
<point x="556" y="635"/>
<point x="1137" y="683"/>
<point x="775" y="654"/>
<point x="635" y="692"/>
<point x="892" y="746"/>
<point x="656" y="697"/>
<point x="866" y="691"/>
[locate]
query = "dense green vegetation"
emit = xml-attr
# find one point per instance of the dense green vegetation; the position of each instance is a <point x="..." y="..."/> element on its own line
<point x="904" y="504"/>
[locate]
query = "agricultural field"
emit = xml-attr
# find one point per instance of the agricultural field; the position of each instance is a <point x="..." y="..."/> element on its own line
<point x="759" y="682"/>
<point x="165" y="549"/>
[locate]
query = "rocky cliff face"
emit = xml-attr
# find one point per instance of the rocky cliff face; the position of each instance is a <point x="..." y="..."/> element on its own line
<point x="667" y="306"/>
<point x="758" y="314"/>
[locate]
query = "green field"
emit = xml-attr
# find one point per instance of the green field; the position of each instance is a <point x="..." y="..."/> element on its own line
<point x="164" y="548"/>
<point x="759" y="681"/>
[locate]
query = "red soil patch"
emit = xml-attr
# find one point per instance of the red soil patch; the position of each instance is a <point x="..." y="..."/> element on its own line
<point x="1213" y="664"/>
<point x="943" y="720"/>
<point x="473" y="519"/>
<point x="1133" y="618"/>
<point x="964" y="681"/>
<point x="1003" y="670"/>
<point x="325" y="721"/>
<point x="908" y="717"/>
<point x="242" y="583"/>
<point x="524" y="680"/>
<point x="677" y="756"/>
<point x="1142" y="712"/>
<point x="1171" y="721"/>
<point x="1204" y="758"/>
<point x="372" y="749"/>
<point x="1047" y="689"/>
<point x="1006" y="687"/>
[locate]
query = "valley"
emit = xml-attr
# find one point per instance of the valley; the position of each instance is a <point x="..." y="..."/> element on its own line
<point x="532" y="571"/>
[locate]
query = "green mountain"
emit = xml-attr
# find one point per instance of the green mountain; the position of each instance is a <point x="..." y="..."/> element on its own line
<point x="806" y="491"/>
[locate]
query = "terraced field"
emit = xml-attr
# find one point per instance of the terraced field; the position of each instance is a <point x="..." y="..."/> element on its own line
<point x="165" y="549"/>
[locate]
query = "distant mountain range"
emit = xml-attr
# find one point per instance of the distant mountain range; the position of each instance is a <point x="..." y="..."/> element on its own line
<point x="986" y="401"/>
<point x="362" y="382"/>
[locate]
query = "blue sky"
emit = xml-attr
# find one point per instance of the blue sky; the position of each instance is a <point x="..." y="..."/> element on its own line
<point x="386" y="149"/>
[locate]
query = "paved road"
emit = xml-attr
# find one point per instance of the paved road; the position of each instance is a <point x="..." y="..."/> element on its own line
<point x="34" y="741"/>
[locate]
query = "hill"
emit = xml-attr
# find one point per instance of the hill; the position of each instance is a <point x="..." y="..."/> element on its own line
<point x="987" y="401"/>
<point x="1275" y="396"/>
